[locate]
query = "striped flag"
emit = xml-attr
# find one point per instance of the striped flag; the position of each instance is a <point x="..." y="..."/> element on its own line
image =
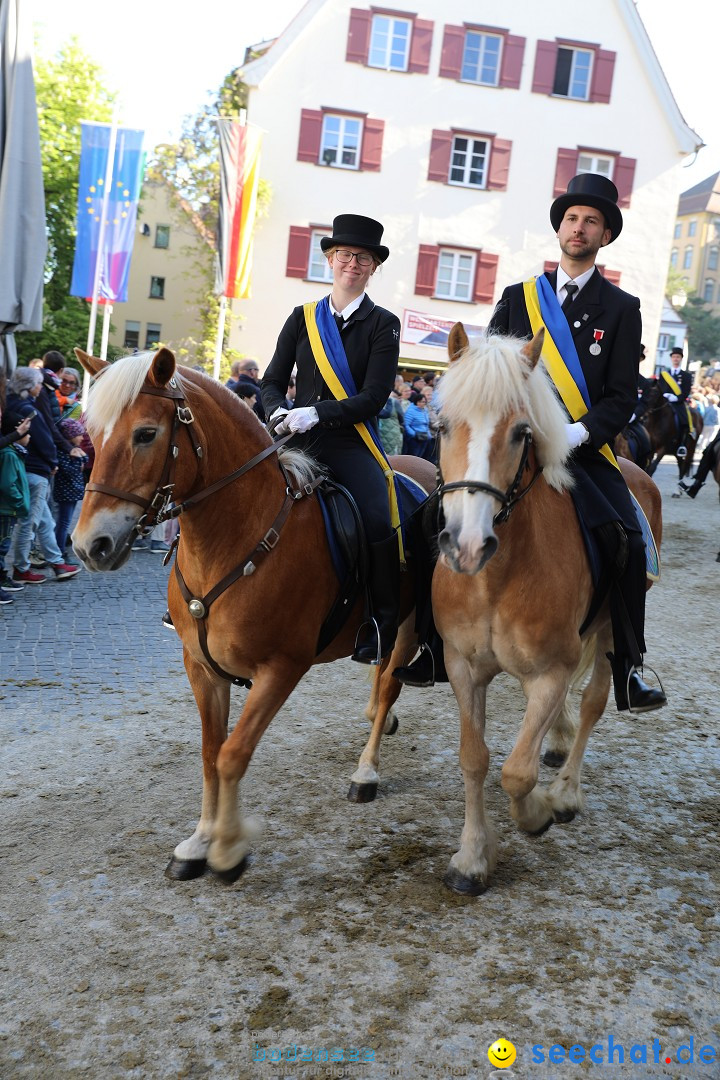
<point x="122" y="201"/>
<point x="239" y="175"/>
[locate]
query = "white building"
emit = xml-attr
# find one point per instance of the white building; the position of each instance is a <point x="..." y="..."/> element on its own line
<point x="456" y="133"/>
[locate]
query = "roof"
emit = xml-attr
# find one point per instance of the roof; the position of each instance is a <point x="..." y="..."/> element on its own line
<point x="704" y="196"/>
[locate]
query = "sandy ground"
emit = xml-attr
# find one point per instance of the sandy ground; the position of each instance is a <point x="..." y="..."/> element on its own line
<point x="341" y="940"/>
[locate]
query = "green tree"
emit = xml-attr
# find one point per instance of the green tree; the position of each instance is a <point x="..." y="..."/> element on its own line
<point x="69" y="89"/>
<point x="703" y="329"/>
<point x="192" y="168"/>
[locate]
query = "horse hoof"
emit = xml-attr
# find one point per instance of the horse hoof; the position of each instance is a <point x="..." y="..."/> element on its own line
<point x="185" y="869"/>
<point x="360" y="793"/>
<point x="465" y="886"/>
<point x="230" y="876"/>
<point x="543" y="828"/>
<point x="393" y="727"/>
<point x="553" y="759"/>
<point x="562" y="817"/>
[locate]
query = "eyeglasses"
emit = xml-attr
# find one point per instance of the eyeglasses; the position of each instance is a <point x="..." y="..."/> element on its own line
<point x="69" y="382"/>
<point x="362" y="257"/>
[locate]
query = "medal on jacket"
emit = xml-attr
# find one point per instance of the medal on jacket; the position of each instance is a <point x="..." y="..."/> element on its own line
<point x="595" y="348"/>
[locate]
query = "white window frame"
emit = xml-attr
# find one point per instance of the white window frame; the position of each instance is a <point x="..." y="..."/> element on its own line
<point x="678" y="230"/>
<point x="484" y="38"/>
<point x="150" y="335"/>
<point x="688" y="258"/>
<point x="674" y="258"/>
<point x="709" y="287"/>
<point x="692" y="227"/>
<point x="467" y="166"/>
<point x="573" y="73"/>
<point x="345" y="122"/>
<point x="386" y="25"/>
<point x="663" y="342"/>
<point x="453" y="289"/>
<point x="593" y="163"/>
<point x="319" y="269"/>
<point x="713" y="257"/>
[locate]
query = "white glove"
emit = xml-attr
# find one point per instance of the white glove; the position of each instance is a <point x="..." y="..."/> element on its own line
<point x="275" y="421"/>
<point x="297" y="421"/>
<point x="670" y="397"/>
<point x="577" y="434"/>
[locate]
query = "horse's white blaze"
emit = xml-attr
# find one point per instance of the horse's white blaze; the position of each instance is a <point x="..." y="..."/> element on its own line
<point x="469" y="515"/>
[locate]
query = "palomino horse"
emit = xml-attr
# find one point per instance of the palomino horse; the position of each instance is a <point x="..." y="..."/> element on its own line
<point x="659" y="420"/>
<point x="513" y="585"/>
<point x="279" y="573"/>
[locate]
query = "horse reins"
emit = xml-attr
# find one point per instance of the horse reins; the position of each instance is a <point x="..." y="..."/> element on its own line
<point x="157" y="509"/>
<point x="509" y="498"/>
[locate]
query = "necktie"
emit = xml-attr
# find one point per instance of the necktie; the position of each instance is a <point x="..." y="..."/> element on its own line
<point x="340" y="321"/>
<point x="570" y="289"/>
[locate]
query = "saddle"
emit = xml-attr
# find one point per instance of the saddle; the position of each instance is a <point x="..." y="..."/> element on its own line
<point x="638" y="441"/>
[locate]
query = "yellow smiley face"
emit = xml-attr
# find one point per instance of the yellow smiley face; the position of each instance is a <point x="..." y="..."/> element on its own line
<point x="501" y="1054"/>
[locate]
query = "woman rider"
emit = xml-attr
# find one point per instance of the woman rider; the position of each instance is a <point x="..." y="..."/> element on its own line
<point x="324" y="426"/>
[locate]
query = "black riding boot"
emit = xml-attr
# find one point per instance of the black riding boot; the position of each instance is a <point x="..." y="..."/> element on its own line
<point x="701" y="473"/>
<point x="377" y="634"/>
<point x="632" y="694"/>
<point x="428" y="667"/>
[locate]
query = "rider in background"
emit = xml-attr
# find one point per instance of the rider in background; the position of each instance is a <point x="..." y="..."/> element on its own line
<point x="679" y="402"/>
<point x="324" y="426"/>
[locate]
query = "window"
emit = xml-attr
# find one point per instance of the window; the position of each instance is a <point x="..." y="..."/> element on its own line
<point x="663" y="342"/>
<point x="152" y="335"/>
<point x="687" y="261"/>
<point x="162" y="236"/>
<point x="456" y="273"/>
<point x="708" y="290"/>
<point x="620" y="170"/>
<point x="692" y="228"/>
<point x="468" y="164"/>
<point x="678" y="230"/>
<point x="481" y="58"/>
<point x="573" y="69"/>
<point x="594" y="163"/>
<point x="157" y="288"/>
<point x="340" y="141"/>
<point x="674" y="258"/>
<point x="469" y="159"/>
<point x="390" y="43"/>
<point x="713" y="258"/>
<point x="482" y="55"/>
<point x="391" y="40"/>
<point x="572" y="74"/>
<point x="319" y="268"/>
<point x="132" y="335"/>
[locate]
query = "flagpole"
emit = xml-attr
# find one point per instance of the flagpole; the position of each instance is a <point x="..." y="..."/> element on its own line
<point x="220" y="337"/>
<point x="100" y="250"/>
<point x="107" y="312"/>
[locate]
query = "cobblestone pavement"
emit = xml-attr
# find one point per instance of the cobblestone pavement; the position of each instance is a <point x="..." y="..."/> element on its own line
<point x="73" y="642"/>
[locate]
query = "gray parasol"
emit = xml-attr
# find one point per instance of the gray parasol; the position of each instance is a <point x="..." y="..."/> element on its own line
<point x="23" y="235"/>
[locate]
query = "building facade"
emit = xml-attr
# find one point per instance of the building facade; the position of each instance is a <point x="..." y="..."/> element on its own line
<point x="170" y="256"/>
<point x="695" y="250"/>
<point x="457" y="133"/>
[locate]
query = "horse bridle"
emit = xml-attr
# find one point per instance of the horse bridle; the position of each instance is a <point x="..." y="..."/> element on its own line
<point x="509" y="498"/>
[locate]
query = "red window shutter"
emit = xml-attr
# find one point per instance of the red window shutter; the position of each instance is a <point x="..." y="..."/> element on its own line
<point x="426" y="269"/>
<point x="310" y="134"/>
<point x="565" y="169"/>
<point x="623" y="177"/>
<point x="512" y="62"/>
<point x="439" y="164"/>
<point x="485" y="274"/>
<point x="613" y="276"/>
<point x="298" y="255"/>
<point x="602" y="76"/>
<point x="545" y="62"/>
<point x="452" y="52"/>
<point x="372" y="143"/>
<point x="358" y="41"/>
<point x="549" y="266"/>
<point x="499" y="165"/>
<point x="420" y="46"/>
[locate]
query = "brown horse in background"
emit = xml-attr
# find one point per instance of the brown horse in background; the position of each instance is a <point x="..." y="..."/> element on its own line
<point x="659" y="420"/>
<point x="165" y="434"/>
<point x="513" y="585"/>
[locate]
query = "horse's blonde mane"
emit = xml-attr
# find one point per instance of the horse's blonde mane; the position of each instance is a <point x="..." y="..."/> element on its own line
<point x="120" y="383"/>
<point x="493" y="376"/>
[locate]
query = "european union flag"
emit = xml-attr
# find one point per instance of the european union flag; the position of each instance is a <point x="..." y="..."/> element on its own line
<point x="121" y="211"/>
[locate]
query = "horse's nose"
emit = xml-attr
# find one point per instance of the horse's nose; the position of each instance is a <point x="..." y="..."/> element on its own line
<point x="100" y="549"/>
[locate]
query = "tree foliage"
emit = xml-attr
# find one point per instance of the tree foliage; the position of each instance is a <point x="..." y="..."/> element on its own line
<point x="69" y="89"/>
<point x="703" y="329"/>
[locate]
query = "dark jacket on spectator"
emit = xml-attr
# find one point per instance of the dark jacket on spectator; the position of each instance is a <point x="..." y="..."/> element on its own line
<point x="41" y="453"/>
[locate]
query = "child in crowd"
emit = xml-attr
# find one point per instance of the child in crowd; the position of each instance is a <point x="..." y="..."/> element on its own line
<point x="69" y="480"/>
<point x="14" y="496"/>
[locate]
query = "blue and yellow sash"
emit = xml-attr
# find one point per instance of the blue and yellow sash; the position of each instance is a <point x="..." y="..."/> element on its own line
<point x="675" y="389"/>
<point x="559" y="352"/>
<point x="331" y="360"/>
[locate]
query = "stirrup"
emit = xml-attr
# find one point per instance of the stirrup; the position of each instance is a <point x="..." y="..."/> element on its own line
<point x="640" y="671"/>
<point x="681" y="452"/>
<point x="372" y="622"/>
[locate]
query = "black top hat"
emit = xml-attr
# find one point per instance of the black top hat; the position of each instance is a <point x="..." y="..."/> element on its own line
<point x="589" y="189"/>
<point x="356" y="231"/>
<point x="677" y="351"/>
